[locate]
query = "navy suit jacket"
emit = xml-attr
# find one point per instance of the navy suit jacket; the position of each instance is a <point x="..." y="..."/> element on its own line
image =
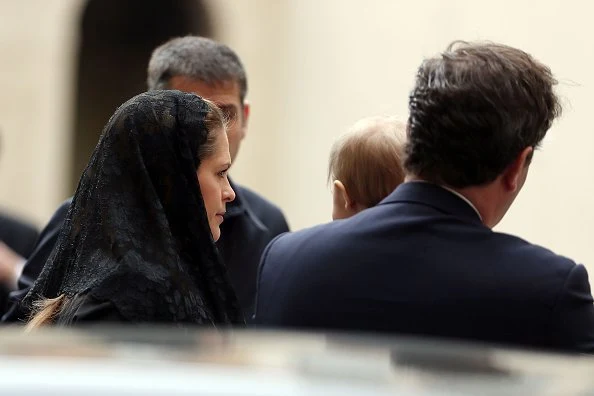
<point x="422" y="263"/>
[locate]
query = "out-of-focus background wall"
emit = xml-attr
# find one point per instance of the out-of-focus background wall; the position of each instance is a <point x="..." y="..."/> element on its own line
<point x="314" y="68"/>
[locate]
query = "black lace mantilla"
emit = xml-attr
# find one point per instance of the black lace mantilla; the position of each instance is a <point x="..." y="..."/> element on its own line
<point x="136" y="233"/>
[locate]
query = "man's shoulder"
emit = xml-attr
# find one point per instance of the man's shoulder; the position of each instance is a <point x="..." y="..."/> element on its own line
<point x="311" y="243"/>
<point x="13" y="224"/>
<point x="17" y="234"/>
<point x="267" y="212"/>
<point x="257" y="202"/>
<point x="536" y="255"/>
<point x="342" y="236"/>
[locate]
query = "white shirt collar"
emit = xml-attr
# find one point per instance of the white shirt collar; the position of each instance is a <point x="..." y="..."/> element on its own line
<point x="462" y="197"/>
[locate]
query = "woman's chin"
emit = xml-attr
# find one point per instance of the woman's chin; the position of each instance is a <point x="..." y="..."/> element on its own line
<point x="216" y="233"/>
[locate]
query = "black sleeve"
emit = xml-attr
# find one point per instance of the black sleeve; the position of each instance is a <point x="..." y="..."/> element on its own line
<point x="18" y="235"/>
<point x="45" y="244"/>
<point x="573" y="315"/>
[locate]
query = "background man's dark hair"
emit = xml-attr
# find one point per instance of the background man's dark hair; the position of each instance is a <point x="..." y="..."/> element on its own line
<point x="198" y="58"/>
<point x="473" y="110"/>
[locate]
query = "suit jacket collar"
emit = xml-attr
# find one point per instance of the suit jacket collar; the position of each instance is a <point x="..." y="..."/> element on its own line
<point x="240" y="207"/>
<point x="433" y="195"/>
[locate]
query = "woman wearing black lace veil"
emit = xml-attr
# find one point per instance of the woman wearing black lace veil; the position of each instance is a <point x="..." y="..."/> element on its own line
<point x="138" y="242"/>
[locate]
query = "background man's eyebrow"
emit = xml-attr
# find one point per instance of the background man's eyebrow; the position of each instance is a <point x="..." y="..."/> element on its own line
<point x="226" y="106"/>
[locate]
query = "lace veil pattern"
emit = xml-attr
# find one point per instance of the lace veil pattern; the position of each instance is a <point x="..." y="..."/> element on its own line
<point x="136" y="233"/>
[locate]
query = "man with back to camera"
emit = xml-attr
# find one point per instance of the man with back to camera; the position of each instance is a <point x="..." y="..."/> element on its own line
<point x="214" y="71"/>
<point x="425" y="261"/>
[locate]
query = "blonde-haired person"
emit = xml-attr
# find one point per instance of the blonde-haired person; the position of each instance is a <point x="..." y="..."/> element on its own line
<point x="366" y="164"/>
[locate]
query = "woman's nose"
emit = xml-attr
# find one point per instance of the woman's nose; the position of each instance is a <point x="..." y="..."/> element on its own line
<point x="228" y="193"/>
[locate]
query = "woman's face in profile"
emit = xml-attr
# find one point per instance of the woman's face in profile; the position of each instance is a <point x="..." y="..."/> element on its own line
<point x="214" y="184"/>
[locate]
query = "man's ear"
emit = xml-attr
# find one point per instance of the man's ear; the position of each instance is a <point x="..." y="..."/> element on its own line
<point x="245" y="114"/>
<point x="515" y="174"/>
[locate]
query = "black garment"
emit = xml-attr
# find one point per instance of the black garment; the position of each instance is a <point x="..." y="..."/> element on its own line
<point x="422" y="263"/>
<point x="88" y="310"/>
<point x="45" y="244"/>
<point x="251" y="222"/>
<point x="18" y="235"/>
<point x="136" y="233"/>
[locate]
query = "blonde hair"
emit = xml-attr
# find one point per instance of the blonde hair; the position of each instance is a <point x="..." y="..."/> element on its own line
<point x="45" y="312"/>
<point x="368" y="159"/>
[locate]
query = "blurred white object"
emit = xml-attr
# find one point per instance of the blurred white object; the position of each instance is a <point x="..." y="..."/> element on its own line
<point x="136" y="361"/>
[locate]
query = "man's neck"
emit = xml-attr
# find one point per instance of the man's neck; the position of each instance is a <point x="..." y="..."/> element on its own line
<point x="473" y="196"/>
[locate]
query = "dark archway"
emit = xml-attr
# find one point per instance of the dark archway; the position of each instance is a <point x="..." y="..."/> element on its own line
<point x="116" y="40"/>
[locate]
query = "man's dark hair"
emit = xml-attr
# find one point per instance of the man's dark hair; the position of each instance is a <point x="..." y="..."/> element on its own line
<point x="198" y="58"/>
<point x="474" y="109"/>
